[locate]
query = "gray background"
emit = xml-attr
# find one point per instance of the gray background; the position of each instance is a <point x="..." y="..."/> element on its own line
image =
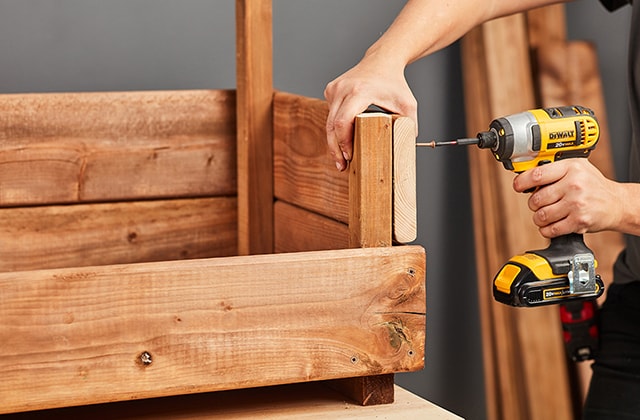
<point x="92" y="45"/>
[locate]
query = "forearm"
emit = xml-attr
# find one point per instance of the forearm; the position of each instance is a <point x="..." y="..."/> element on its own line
<point x="426" y="26"/>
<point x="422" y="27"/>
<point x="628" y="204"/>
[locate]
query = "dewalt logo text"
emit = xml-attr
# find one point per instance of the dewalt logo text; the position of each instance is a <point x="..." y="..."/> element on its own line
<point x="562" y="134"/>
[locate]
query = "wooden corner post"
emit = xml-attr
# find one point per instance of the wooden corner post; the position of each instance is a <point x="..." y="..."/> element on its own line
<point x="371" y="182"/>
<point x="254" y="126"/>
<point x="370" y="224"/>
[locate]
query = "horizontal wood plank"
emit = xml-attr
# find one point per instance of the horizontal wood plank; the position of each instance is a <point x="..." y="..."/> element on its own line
<point x="297" y="229"/>
<point x="100" y="334"/>
<point x="96" y="234"/>
<point x="106" y="146"/>
<point x="304" y="173"/>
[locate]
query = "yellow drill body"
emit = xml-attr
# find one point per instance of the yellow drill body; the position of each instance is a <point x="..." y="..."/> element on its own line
<point x="528" y="139"/>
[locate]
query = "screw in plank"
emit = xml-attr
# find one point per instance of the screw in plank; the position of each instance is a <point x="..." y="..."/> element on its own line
<point x="145" y="358"/>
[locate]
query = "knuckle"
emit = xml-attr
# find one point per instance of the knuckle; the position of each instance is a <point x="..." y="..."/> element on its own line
<point x="330" y="126"/>
<point x="541" y="215"/>
<point x="341" y="123"/>
<point x="554" y="230"/>
<point x="537" y="173"/>
<point x="535" y="201"/>
<point x="582" y="223"/>
<point x="327" y="92"/>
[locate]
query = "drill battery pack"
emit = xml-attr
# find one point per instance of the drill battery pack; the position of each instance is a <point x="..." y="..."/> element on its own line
<point x="563" y="272"/>
<point x="517" y="284"/>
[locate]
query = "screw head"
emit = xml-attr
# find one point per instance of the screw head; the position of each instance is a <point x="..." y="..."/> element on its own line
<point x="145" y="358"/>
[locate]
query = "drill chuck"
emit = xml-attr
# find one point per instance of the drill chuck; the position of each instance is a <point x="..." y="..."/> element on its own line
<point x="488" y="140"/>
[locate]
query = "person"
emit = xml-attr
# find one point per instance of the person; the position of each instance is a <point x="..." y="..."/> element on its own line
<point x="562" y="204"/>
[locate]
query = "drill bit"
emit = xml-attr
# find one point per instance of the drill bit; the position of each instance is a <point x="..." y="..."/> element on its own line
<point x="457" y="142"/>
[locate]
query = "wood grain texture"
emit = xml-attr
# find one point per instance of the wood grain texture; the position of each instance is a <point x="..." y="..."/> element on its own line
<point x="562" y="82"/>
<point x="516" y="342"/>
<point x="546" y="26"/>
<point x="254" y="80"/>
<point x="405" y="213"/>
<point x="371" y="181"/>
<point x="304" y="173"/>
<point x="147" y="330"/>
<point x="368" y="390"/>
<point x="297" y="229"/>
<point x="371" y="220"/>
<point x="306" y="401"/>
<point x="96" y="234"/>
<point x="80" y="147"/>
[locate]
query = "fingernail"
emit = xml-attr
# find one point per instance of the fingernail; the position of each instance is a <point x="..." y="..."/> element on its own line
<point x="346" y="156"/>
<point x="339" y="166"/>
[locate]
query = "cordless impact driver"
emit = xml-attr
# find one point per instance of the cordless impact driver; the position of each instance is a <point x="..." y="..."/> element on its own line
<point x="565" y="270"/>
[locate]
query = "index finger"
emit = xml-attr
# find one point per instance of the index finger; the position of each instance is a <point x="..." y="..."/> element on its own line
<point x="340" y="128"/>
<point x="538" y="176"/>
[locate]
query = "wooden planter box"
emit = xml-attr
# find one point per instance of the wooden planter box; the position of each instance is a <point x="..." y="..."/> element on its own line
<point x="131" y="225"/>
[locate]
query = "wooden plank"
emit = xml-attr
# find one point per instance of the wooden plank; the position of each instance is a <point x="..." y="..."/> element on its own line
<point x="519" y="342"/>
<point x="505" y="391"/>
<point x="370" y="222"/>
<point x="546" y="25"/>
<point x="306" y="177"/>
<point x="475" y="86"/>
<point x="562" y="82"/>
<point x="405" y="213"/>
<point x="79" y="147"/>
<point x="370" y="181"/>
<point x="297" y="229"/>
<point x="304" y="173"/>
<point x="96" y="234"/>
<point x="285" y="402"/>
<point x="255" y="126"/>
<point x="368" y="390"/>
<point x="135" y="331"/>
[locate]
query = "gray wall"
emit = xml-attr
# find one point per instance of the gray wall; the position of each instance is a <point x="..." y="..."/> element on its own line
<point x="90" y="45"/>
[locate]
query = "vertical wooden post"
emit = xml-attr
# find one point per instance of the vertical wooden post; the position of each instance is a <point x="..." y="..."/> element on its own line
<point x="370" y="224"/>
<point x="371" y="182"/>
<point x="254" y="126"/>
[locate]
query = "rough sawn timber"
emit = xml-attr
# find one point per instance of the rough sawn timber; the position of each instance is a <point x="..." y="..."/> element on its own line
<point x="254" y="81"/>
<point x="108" y="146"/>
<point x="42" y="237"/>
<point x="109" y="333"/>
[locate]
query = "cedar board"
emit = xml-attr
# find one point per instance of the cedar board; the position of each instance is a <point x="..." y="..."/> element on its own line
<point x="207" y="325"/>
<point x="108" y="146"/>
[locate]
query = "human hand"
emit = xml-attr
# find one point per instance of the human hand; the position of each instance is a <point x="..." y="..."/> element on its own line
<point x="572" y="196"/>
<point x="372" y="81"/>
